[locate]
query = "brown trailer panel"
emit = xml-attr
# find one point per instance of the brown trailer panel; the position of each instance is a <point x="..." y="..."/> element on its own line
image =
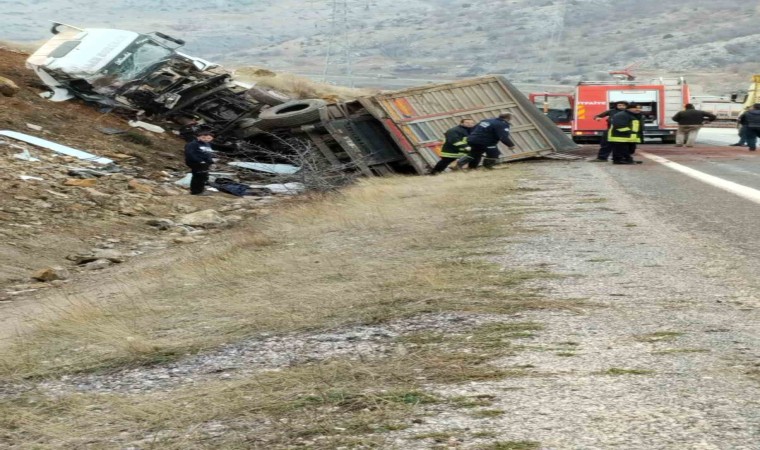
<point x="417" y="118"/>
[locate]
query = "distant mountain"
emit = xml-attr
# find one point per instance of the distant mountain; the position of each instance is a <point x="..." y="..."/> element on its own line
<point x="549" y="41"/>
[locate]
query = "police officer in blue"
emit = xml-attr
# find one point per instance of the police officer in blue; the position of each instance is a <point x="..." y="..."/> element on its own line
<point x="198" y="159"/>
<point x="484" y="139"/>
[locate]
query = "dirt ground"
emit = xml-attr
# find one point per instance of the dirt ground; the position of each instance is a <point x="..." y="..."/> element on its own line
<point x="44" y="220"/>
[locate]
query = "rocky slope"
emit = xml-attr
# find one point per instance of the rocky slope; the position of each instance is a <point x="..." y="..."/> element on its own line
<point x="60" y="215"/>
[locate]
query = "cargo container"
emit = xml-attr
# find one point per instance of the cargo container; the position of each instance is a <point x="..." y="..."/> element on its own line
<point x="413" y="122"/>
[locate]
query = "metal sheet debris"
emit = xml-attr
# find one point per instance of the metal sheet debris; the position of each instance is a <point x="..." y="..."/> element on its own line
<point x="58" y="148"/>
<point x="287" y="188"/>
<point x="25" y="156"/>
<point x="280" y="169"/>
<point x="145" y="126"/>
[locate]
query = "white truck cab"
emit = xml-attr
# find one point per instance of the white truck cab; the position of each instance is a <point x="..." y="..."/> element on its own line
<point x="97" y="61"/>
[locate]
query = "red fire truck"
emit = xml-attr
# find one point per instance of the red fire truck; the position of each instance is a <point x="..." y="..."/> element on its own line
<point x="557" y="107"/>
<point x="660" y="99"/>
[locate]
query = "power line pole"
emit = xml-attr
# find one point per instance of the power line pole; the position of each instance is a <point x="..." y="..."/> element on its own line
<point x="338" y="55"/>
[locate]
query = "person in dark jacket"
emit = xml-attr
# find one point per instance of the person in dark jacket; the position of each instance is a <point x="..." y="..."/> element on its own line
<point x="626" y="131"/>
<point x="604" y="146"/>
<point x="690" y="120"/>
<point x="751" y="119"/>
<point x="742" y="129"/>
<point x="198" y="159"/>
<point x="484" y="139"/>
<point x="455" y="146"/>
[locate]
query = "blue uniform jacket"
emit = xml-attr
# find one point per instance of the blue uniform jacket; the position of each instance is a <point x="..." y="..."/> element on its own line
<point x="488" y="133"/>
<point x="198" y="154"/>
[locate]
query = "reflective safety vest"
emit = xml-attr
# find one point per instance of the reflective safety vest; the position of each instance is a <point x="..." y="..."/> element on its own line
<point x="456" y="142"/>
<point x="625" y="128"/>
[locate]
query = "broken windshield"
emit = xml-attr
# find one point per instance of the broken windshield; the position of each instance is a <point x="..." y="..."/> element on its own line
<point x="136" y="60"/>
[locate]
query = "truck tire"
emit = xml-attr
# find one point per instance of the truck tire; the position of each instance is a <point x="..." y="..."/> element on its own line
<point x="291" y="114"/>
<point x="267" y="96"/>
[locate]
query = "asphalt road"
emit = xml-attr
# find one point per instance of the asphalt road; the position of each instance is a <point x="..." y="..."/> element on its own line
<point x="693" y="205"/>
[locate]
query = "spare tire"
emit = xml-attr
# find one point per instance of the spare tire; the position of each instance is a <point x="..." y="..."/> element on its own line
<point x="292" y="113"/>
<point x="267" y="96"/>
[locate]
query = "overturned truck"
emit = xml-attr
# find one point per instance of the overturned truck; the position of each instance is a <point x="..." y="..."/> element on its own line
<point x="143" y="76"/>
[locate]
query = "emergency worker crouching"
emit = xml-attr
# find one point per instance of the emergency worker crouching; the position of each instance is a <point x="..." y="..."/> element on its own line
<point x="484" y="140"/>
<point x="455" y="146"/>
<point x="626" y="130"/>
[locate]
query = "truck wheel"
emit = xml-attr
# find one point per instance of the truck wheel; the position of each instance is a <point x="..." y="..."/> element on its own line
<point x="291" y="114"/>
<point x="267" y="96"/>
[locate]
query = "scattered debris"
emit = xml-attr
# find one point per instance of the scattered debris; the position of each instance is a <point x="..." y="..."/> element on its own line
<point x="280" y="169"/>
<point x="84" y="173"/>
<point x="34" y="127"/>
<point x="58" y="148"/>
<point x="26" y="156"/>
<point x="30" y="178"/>
<point x="286" y="188"/>
<point x="146" y="126"/>
<point x="212" y="176"/>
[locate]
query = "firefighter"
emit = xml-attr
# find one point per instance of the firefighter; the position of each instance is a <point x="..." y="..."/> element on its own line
<point x="198" y="158"/>
<point x="626" y="130"/>
<point x="604" y="145"/>
<point x="455" y="145"/>
<point x="484" y="139"/>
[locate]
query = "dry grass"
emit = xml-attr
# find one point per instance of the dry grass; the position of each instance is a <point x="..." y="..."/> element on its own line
<point x="23" y="47"/>
<point x="299" y="87"/>
<point x="323" y="405"/>
<point x="384" y="249"/>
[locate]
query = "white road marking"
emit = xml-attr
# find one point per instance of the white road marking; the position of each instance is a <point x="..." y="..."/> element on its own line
<point x="728" y="186"/>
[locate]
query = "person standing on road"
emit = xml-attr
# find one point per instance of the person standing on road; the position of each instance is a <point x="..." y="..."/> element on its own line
<point x="742" y="131"/>
<point x="690" y="120"/>
<point x="484" y="139"/>
<point x="626" y="130"/>
<point x="198" y="158"/>
<point x="604" y="145"/>
<point x="455" y="146"/>
<point x="751" y="120"/>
